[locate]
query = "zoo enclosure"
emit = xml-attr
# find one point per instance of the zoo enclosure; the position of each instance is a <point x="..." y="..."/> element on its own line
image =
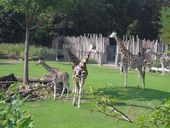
<point x="107" y="50"/>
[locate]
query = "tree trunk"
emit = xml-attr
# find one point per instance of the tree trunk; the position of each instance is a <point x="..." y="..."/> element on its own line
<point x="26" y="54"/>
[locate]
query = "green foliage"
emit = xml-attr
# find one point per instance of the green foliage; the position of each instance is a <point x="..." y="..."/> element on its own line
<point x="158" y="118"/>
<point x="11" y="49"/>
<point x="165" y="24"/>
<point x="156" y="63"/>
<point x="18" y="50"/>
<point x="76" y="17"/>
<point x="106" y="82"/>
<point x="11" y="113"/>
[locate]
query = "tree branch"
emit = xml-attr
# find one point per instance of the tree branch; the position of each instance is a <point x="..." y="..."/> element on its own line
<point x="20" y="24"/>
<point x="121" y="114"/>
<point x="114" y="116"/>
<point x="35" y="9"/>
<point x="33" y="26"/>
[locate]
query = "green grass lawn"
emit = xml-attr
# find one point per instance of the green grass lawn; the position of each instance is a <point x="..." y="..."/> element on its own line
<point x="62" y="114"/>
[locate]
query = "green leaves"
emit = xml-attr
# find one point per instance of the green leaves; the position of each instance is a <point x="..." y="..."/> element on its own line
<point x="159" y="118"/>
<point x="11" y="114"/>
<point x="165" y="24"/>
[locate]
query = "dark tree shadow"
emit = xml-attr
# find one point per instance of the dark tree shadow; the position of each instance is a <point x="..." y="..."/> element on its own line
<point x="5" y="63"/>
<point x="131" y="93"/>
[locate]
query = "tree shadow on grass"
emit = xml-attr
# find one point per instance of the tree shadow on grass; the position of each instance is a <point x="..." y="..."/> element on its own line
<point x="7" y="63"/>
<point x="131" y="93"/>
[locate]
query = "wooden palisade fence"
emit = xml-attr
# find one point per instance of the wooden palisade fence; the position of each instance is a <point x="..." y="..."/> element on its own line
<point x="79" y="45"/>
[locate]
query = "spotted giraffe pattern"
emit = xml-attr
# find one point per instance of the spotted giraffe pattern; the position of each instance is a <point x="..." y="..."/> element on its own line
<point x="80" y="74"/>
<point x="58" y="76"/>
<point x="130" y="60"/>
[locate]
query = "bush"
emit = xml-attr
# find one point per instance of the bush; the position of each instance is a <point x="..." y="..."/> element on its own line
<point x="17" y="50"/>
<point x="11" y="114"/>
<point x="156" y="63"/>
<point x="158" y="118"/>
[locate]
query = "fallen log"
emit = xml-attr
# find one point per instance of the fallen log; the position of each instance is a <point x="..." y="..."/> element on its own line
<point x="36" y="80"/>
<point x="26" y="92"/>
<point x="31" y="93"/>
<point x="10" y="77"/>
<point x="7" y="80"/>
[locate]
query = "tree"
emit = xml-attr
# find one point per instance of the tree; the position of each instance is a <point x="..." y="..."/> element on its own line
<point x="31" y="9"/>
<point x="10" y="31"/>
<point x="165" y="24"/>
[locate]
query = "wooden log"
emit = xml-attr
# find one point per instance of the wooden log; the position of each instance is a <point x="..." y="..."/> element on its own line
<point x="32" y="80"/>
<point x="10" y="77"/>
<point x="36" y="80"/>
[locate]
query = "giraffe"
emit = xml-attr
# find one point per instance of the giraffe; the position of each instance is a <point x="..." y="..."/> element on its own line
<point x="163" y="58"/>
<point x="80" y="73"/>
<point x="130" y="60"/>
<point x="75" y="61"/>
<point x="57" y="76"/>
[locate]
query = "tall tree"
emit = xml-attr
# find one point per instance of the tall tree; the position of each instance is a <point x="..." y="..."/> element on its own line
<point x="31" y="9"/>
<point x="165" y="24"/>
<point x="10" y="31"/>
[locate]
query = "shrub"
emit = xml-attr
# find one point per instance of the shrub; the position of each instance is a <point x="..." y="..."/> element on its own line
<point x="158" y="118"/>
<point x="18" y="51"/>
<point x="11" y="114"/>
<point x="156" y="63"/>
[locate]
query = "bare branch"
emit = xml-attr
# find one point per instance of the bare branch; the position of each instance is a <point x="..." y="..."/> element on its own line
<point x="33" y="26"/>
<point x="20" y="24"/>
<point x="35" y="9"/>
<point x="114" y="116"/>
<point x="121" y="114"/>
<point x="1" y="11"/>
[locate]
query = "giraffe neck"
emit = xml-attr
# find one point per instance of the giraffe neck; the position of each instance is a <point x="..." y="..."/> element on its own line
<point x="156" y="53"/>
<point x="73" y="58"/>
<point x="48" y="68"/>
<point x="122" y="47"/>
<point x="84" y="61"/>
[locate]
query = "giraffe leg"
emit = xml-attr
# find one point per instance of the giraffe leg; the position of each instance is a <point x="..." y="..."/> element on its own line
<point x="141" y="76"/>
<point x="55" y="88"/>
<point x="76" y="89"/>
<point x="67" y="87"/>
<point x="163" y="68"/>
<point x="79" y="93"/>
<point x="126" y="75"/>
<point x="63" y="90"/>
<point x="138" y="79"/>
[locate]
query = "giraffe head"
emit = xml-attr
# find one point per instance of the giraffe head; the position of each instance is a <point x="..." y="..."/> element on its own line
<point x="40" y="61"/>
<point x="79" y="72"/>
<point x="113" y="35"/>
<point x="92" y="48"/>
<point x="148" y="50"/>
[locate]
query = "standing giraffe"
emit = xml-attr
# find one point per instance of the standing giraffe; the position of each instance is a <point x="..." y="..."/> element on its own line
<point x="75" y="61"/>
<point x="80" y="73"/>
<point x="130" y="60"/>
<point x="163" y="58"/>
<point x="58" y="76"/>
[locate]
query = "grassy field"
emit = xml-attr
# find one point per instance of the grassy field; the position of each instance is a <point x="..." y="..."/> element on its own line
<point x="130" y="100"/>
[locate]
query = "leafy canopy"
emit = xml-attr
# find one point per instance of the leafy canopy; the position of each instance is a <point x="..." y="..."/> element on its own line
<point x="165" y="24"/>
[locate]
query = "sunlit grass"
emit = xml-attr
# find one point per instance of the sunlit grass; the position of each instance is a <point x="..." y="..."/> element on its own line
<point x="110" y="81"/>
